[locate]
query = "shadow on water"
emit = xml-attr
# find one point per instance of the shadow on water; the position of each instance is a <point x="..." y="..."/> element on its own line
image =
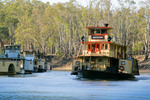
<point x="19" y="75"/>
<point x="86" y="79"/>
<point x="137" y="78"/>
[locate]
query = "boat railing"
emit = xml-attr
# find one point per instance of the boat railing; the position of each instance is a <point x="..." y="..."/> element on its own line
<point x="101" y="67"/>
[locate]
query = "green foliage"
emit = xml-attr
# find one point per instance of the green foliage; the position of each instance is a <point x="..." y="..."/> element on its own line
<point x="4" y="32"/>
<point x="58" y="53"/>
<point x="59" y="27"/>
<point x="137" y="47"/>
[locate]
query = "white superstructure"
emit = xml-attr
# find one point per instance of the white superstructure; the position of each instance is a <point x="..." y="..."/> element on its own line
<point x="12" y="51"/>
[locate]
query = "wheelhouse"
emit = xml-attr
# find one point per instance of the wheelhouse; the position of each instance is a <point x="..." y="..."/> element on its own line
<point x="12" y="51"/>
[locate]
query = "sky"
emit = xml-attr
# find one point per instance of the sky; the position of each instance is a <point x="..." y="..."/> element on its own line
<point x="84" y="2"/>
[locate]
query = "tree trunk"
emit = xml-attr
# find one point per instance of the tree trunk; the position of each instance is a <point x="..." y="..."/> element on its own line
<point x="2" y="45"/>
<point x="146" y="51"/>
<point x="146" y="36"/>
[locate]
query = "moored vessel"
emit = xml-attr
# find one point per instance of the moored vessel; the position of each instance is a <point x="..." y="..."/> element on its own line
<point x="11" y="60"/>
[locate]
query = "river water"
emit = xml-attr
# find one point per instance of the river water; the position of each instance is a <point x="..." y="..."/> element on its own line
<point x="60" y="85"/>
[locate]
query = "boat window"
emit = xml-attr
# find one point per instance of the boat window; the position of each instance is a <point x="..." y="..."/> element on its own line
<point x="89" y="46"/>
<point x="103" y="31"/>
<point x="77" y="62"/>
<point x="8" y="47"/>
<point x="102" y="46"/>
<point x="106" y="46"/>
<point x="122" y="62"/>
<point x="99" y="60"/>
<point x="87" y="60"/>
<point x="35" y="62"/>
<point x="17" y="47"/>
<point x="98" y="31"/>
<point x="97" y="48"/>
<point x="93" y="60"/>
<point x="93" y="46"/>
<point x="92" y="31"/>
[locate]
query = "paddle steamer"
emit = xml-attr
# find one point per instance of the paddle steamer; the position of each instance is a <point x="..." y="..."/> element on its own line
<point x="10" y="62"/>
<point x="103" y="58"/>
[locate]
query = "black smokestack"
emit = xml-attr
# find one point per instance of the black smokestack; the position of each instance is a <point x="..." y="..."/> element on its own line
<point x="106" y="25"/>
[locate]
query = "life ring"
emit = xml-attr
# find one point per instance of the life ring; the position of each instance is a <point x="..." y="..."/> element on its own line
<point x="121" y="68"/>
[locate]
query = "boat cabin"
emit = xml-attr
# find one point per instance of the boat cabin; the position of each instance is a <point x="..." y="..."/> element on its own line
<point x="12" y="51"/>
<point x="100" y="44"/>
<point x="28" y="60"/>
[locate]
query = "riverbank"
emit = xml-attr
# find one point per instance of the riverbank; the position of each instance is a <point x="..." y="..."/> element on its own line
<point x="66" y="67"/>
<point x="64" y="64"/>
<point x="144" y="71"/>
<point x="62" y="69"/>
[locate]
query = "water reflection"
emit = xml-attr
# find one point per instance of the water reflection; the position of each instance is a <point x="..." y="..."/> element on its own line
<point x="143" y="77"/>
<point x="84" y="79"/>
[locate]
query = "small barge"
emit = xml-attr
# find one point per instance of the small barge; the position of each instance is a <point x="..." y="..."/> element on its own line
<point x="102" y="58"/>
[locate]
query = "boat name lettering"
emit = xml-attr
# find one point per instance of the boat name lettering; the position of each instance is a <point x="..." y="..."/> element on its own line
<point x="97" y="37"/>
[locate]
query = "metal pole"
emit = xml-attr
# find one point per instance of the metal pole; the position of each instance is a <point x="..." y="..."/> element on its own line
<point x="84" y="45"/>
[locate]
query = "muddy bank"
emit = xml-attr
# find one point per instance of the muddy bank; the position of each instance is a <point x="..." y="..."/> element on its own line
<point x="65" y="64"/>
<point x="62" y="69"/>
<point x="144" y="70"/>
<point x="62" y="64"/>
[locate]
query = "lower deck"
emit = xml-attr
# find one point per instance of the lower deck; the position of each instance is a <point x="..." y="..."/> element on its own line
<point x="10" y="66"/>
<point x="106" y="64"/>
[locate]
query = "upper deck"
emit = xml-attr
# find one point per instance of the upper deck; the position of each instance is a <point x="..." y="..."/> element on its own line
<point x="12" y="51"/>
<point x="99" y="33"/>
<point x="100" y="44"/>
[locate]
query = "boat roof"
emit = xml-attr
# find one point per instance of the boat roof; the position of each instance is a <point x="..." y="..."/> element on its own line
<point x="12" y="45"/>
<point x="29" y="51"/>
<point x="11" y="58"/>
<point x="98" y="27"/>
<point x="95" y="42"/>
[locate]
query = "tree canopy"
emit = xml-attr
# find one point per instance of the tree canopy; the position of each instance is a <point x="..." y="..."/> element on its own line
<point x="58" y="28"/>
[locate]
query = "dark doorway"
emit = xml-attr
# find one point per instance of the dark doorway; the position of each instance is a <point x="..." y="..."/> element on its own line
<point x="11" y="68"/>
<point x="114" y="63"/>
